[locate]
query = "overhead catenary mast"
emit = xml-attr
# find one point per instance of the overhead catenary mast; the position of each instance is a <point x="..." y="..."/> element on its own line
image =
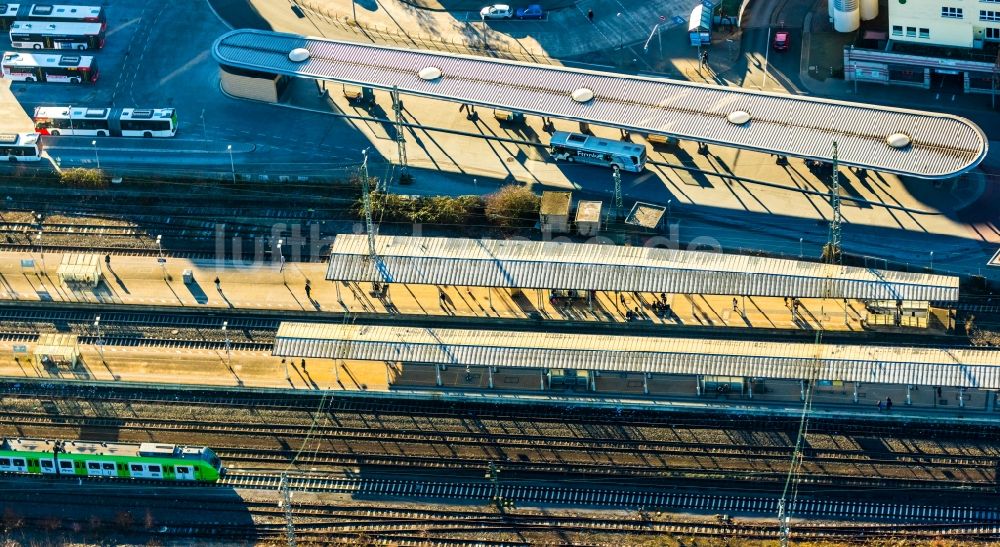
<point x="833" y="248"/>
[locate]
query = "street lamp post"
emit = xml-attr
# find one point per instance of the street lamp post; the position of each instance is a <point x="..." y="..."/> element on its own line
<point x="225" y="326"/>
<point x="767" y="50"/>
<point x="800" y="247"/>
<point x="41" y="249"/>
<point x="96" y="157"/>
<point x="932" y="261"/>
<point x="281" y="257"/>
<point x="159" y="255"/>
<point x="100" y="343"/>
<point x="232" y="165"/>
<point x="621" y="32"/>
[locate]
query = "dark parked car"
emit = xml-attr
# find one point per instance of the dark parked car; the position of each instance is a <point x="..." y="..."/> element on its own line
<point x="534" y="11"/>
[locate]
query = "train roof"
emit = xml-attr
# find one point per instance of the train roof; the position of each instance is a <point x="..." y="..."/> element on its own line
<point x="92" y="448"/>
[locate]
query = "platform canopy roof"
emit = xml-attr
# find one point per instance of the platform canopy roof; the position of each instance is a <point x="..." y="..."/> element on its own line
<point x="588" y="266"/>
<point x="460" y="347"/>
<point x="925" y="144"/>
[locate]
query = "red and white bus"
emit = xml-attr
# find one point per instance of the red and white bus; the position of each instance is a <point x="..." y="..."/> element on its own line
<point x="47" y="35"/>
<point x="9" y="13"/>
<point x="16" y="147"/>
<point x="102" y="122"/>
<point x="49" y="67"/>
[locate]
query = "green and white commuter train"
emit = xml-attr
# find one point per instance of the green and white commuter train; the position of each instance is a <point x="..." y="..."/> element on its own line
<point x="166" y="462"/>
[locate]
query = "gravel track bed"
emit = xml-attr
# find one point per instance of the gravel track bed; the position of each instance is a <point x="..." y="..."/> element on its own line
<point x="328" y="449"/>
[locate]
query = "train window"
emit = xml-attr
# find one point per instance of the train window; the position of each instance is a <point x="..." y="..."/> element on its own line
<point x="136" y="468"/>
<point x="182" y="469"/>
<point x="108" y="466"/>
<point x="46" y="464"/>
<point x="19" y="462"/>
<point x="93" y="465"/>
<point x="154" y="468"/>
<point x="4" y="461"/>
<point x="65" y="464"/>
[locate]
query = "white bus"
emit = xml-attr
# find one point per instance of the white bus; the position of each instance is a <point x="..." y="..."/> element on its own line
<point x="49" y="67"/>
<point x="16" y="147"/>
<point x="101" y="122"/>
<point x="47" y="35"/>
<point x="574" y="147"/>
<point x="9" y="13"/>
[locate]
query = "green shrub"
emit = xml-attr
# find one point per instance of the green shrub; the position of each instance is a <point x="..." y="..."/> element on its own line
<point x="513" y="207"/>
<point x="87" y="178"/>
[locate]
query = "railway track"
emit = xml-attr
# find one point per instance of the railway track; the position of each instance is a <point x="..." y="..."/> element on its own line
<point x="814" y="507"/>
<point x="341" y="447"/>
<point x="505" y="441"/>
<point x="654" y="510"/>
<point x="138" y="342"/>
<point x="186" y="397"/>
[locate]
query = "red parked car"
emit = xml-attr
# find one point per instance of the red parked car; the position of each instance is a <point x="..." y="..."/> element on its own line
<point x="781" y="41"/>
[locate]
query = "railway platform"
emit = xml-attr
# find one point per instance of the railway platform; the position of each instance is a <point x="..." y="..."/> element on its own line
<point x="262" y="372"/>
<point x="184" y="283"/>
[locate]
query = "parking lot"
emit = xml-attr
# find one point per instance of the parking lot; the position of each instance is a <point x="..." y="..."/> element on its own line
<point x="157" y="56"/>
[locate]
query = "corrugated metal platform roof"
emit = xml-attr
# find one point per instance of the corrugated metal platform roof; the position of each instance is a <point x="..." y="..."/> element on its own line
<point x="869" y="364"/>
<point x="942" y="145"/>
<point x="586" y="266"/>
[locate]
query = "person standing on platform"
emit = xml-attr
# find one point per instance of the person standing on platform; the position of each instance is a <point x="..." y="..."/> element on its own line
<point x="590" y="15"/>
<point x="879" y="405"/>
<point x="218" y="284"/>
<point x="888" y="403"/>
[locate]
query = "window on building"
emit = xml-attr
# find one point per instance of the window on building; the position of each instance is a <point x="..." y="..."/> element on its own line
<point x="911" y="32"/>
<point x="951" y="13"/>
<point x="991" y="1"/>
<point x="897" y="30"/>
<point x="989" y="15"/>
<point x="993" y="34"/>
<point x="925" y="33"/>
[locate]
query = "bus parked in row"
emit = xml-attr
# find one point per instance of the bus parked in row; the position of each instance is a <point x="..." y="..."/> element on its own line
<point x="15" y="147"/>
<point x="575" y="147"/>
<point x="9" y="13"/>
<point x="102" y="122"/>
<point x="49" y="67"/>
<point x="46" y="35"/>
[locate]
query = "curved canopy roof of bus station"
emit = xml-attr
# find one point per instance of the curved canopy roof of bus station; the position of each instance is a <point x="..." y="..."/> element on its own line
<point x="893" y="140"/>
<point x="779" y="360"/>
<point x="519" y="264"/>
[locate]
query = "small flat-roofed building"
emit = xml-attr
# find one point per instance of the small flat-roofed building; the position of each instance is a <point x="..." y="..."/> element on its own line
<point x="554" y="212"/>
<point x="58" y="350"/>
<point x="80" y="269"/>
<point x="588" y="217"/>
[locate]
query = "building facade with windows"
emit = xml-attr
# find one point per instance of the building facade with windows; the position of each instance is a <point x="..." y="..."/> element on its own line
<point x="951" y="23"/>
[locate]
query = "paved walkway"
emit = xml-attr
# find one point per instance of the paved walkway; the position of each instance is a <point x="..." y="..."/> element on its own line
<point x="143" y="281"/>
